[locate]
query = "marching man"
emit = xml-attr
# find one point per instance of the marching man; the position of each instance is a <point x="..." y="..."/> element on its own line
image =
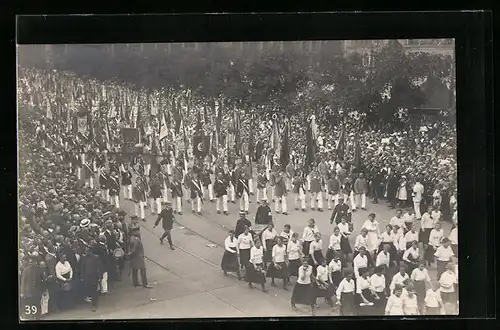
<point x="196" y="193"/>
<point x="177" y="193"/>
<point x="290" y="174"/>
<point x="88" y="174"/>
<point x="298" y="184"/>
<point x="207" y="182"/>
<point x="220" y="187"/>
<point x="316" y="191"/>
<point x="247" y="169"/>
<point x="242" y="191"/>
<point x="360" y="188"/>
<point x="155" y="194"/>
<point x="127" y="182"/>
<point x="280" y="192"/>
<point x="104" y="183"/>
<point x="230" y="177"/>
<point x="261" y="186"/>
<point x="272" y="182"/>
<point x="164" y="182"/>
<point x="114" y="189"/>
<point x="139" y="193"/>
<point x="333" y="185"/>
<point x="418" y="191"/>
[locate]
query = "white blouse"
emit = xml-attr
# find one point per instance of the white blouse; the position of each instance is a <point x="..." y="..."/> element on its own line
<point x="344" y="228"/>
<point x="322" y="273"/>
<point x="377" y="283"/>
<point x="410" y="305"/>
<point x="360" y="241"/>
<point x="387" y="237"/>
<point x="305" y="275"/>
<point x="361" y="284"/>
<point x="409" y="218"/>
<point x="394" y="306"/>
<point x="371" y="226"/>
<point x="345" y="286"/>
<point x="397" y="221"/>
<point x="446" y="282"/>
<point x="268" y="235"/>
<point x="435" y="237"/>
<point x="335" y="266"/>
<point x="420" y="275"/>
<point x="279" y="253"/>
<point x="383" y="259"/>
<point x="358" y="263"/>
<point x="427" y="222"/>
<point x="436" y="216"/>
<point x="288" y="235"/>
<point x="293" y="250"/>
<point x="63" y="269"/>
<point x="433" y="298"/>
<point x="308" y="234"/>
<point x="231" y="246"/>
<point x="411" y="236"/>
<point x="453" y="237"/>
<point x="315" y="246"/>
<point x="256" y="255"/>
<point x="414" y="253"/>
<point x="398" y="280"/>
<point x="245" y="241"/>
<point x="444" y="254"/>
<point x="335" y="242"/>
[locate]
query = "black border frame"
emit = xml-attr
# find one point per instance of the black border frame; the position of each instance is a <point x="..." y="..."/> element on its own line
<point x="472" y="33"/>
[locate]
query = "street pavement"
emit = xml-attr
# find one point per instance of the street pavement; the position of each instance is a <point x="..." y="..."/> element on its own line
<point x="188" y="282"/>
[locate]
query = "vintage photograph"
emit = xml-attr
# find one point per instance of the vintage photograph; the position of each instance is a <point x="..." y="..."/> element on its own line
<point x="237" y="179"/>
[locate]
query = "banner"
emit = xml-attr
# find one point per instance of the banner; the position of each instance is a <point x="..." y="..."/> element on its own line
<point x="82" y="125"/>
<point x="130" y="137"/>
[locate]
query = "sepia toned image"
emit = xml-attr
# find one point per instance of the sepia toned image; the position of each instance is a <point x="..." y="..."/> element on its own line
<point x="237" y="179"/>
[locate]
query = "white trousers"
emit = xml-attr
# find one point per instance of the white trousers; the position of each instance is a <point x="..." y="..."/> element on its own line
<point x="351" y="198"/>
<point x="122" y="168"/>
<point x="196" y="204"/>
<point x="104" y="283"/>
<point x="288" y="184"/>
<point x="43" y="143"/>
<point x="115" y="201"/>
<point x="89" y="183"/>
<point x="139" y="210"/>
<point x="94" y="165"/>
<point x="273" y="194"/>
<point x="244" y="203"/>
<point x="147" y="169"/>
<point x="300" y="199"/>
<point x="232" y="192"/>
<point x="416" y="206"/>
<point x="359" y="197"/>
<point x="127" y="191"/>
<point x="209" y="191"/>
<point x="317" y="198"/>
<point x="250" y="185"/>
<point x="164" y="193"/>
<point x="308" y="183"/>
<point x="155" y="202"/>
<point x="169" y="169"/>
<point x="334" y="198"/>
<point x="79" y="172"/>
<point x="105" y="194"/>
<point x="261" y="194"/>
<point x="218" y="201"/>
<point x="277" y="204"/>
<point x="177" y="204"/>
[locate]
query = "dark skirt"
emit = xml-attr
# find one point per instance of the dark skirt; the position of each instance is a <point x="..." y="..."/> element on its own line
<point x="365" y="310"/>
<point x="254" y="276"/>
<point x="448" y="297"/>
<point x="274" y="272"/>
<point x="454" y="248"/>
<point x="420" y="291"/>
<point x="244" y="257"/>
<point x="429" y="254"/>
<point x="345" y="246"/>
<point x="318" y="255"/>
<point x="347" y="304"/>
<point x="423" y="235"/>
<point x="230" y="262"/>
<point x="379" y="304"/>
<point x="336" y="278"/>
<point x="323" y="292"/>
<point x="293" y="267"/>
<point x="411" y="265"/>
<point x="330" y="253"/>
<point x="303" y="294"/>
<point x="305" y="247"/>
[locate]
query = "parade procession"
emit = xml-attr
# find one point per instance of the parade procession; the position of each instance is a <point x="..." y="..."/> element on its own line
<point x="318" y="211"/>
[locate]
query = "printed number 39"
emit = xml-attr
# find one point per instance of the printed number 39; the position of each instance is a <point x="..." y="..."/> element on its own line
<point x="30" y="310"/>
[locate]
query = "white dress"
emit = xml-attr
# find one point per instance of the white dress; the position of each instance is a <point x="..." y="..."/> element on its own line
<point x="402" y="194"/>
<point x="372" y="241"/>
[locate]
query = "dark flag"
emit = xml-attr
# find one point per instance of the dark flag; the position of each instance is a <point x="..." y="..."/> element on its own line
<point x="285" y="148"/>
<point x="155" y="166"/>
<point x="251" y="143"/>
<point x="341" y="144"/>
<point x="237" y="134"/>
<point x="205" y="114"/>
<point x="198" y="141"/>
<point x="310" y="150"/>
<point x="176" y="113"/>
<point x="357" y="153"/>
<point x="214" y="148"/>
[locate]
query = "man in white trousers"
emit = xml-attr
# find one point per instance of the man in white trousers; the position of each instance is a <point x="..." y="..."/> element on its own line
<point x="104" y="182"/>
<point x="220" y="189"/>
<point x="155" y="188"/>
<point x="127" y="182"/>
<point x="114" y="189"/>
<point x="88" y="174"/>
<point x="177" y="194"/>
<point x="418" y="192"/>
<point x="261" y="186"/>
<point x="139" y="195"/>
<point x="298" y="186"/>
<point x="247" y="169"/>
<point x="243" y="192"/>
<point x="196" y="194"/>
<point x="360" y="188"/>
<point x="290" y="174"/>
<point x="316" y="191"/>
<point x="164" y="182"/>
<point x="207" y="187"/>
<point x="333" y="186"/>
<point x="281" y="192"/>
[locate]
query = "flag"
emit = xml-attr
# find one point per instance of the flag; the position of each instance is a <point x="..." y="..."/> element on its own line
<point x="251" y="143"/>
<point x="198" y="141"/>
<point x="285" y="148"/>
<point x="163" y="132"/>
<point x="214" y="147"/>
<point x="155" y="166"/>
<point x="218" y="122"/>
<point x="310" y="150"/>
<point x="237" y="133"/>
<point x="275" y="138"/>
<point x="205" y="114"/>
<point x="90" y="120"/>
<point x="176" y="113"/>
<point x="357" y="153"/>
<point x="341" y="144"/>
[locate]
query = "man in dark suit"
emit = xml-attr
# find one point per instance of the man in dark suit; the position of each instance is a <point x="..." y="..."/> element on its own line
<point x="136" y="256"/>
<point x="264" y="214"/>
<point x="340" y="211"/>
<point x="91" y="274"/>
<point x="111" y="245"/>
<point x="167" y="217"/>
<point x="30" y="290"/>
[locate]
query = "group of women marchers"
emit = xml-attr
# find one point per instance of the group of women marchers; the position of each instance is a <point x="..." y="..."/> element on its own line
<point x="385" y="273"/>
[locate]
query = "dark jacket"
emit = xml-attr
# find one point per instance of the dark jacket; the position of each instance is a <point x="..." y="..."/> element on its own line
<point x="220" y="188"/>
<point x="263" y="215"/>
<point x="136" y="253"/>
<point x="340" y="211"/>
<point x="167" y="217"/>
<point x="31" y="284"/>
<point x="91" y="268"/>
<point x="240" y="226"/>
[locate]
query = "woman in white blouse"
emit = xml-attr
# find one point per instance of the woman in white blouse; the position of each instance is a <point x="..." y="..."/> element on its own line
<point x="410" y="303"/>
<point x="303" y="293"/>
<point x="345" y="296"/>
<point x="435" y="237"/>
<point x="394" y="306"/>
<point x="64" y="275"/>
<point x="345" y="246"/>
<point x="410" y="236"/>
<point x="334" y="245"/>
<point x="245" y="243"/>
<point x="453" y="237"/>
<point x="316" y="252"/>
<point x="447" y="288"/>
<point x="323" y="287"/>
<point x="269" y="240"/>
<point x="335" y="271"/>
<point x="365" y="296"/>
<point x="278" y="267"/>
<point x="420" y="277"/>
<point x="230" y="257"/>
<point x="387" y="238"/>
<point x="373" y="233"/>
<point x="308" y="235"/>
<point x="255" y="272"/>
<point x="378" y="286"/>
<point x="411" y="257"/>
<point x="426" y="225"/>
<point x="294" y="252"/>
